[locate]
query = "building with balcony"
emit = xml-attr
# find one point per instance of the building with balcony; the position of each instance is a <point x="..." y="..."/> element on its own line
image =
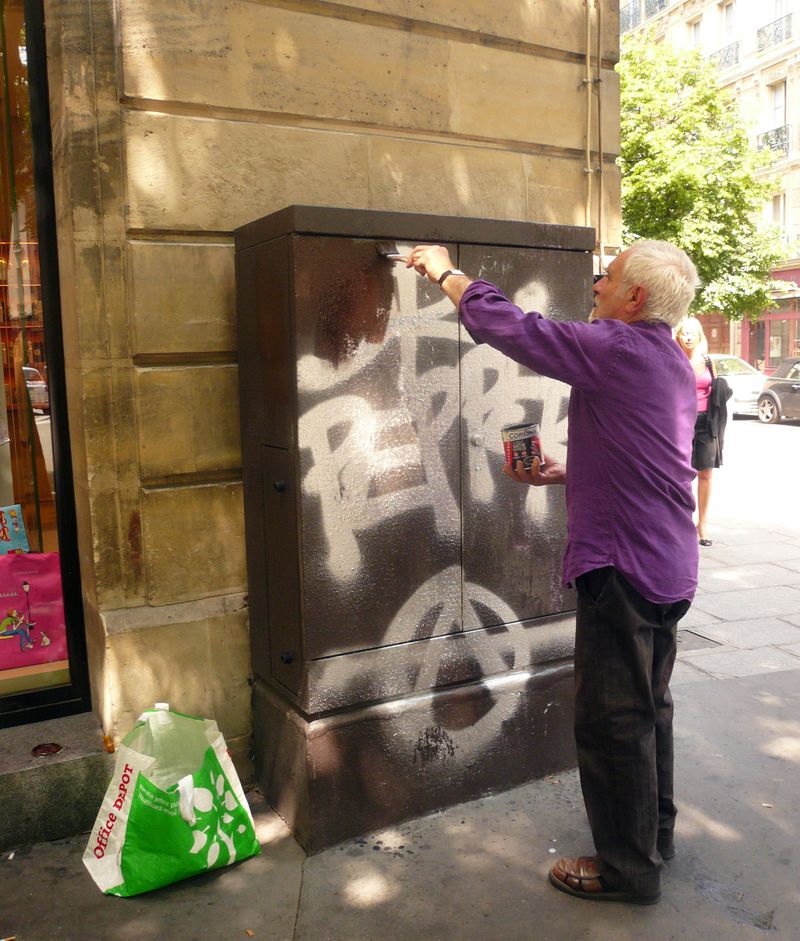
<point x="756" y="47"/>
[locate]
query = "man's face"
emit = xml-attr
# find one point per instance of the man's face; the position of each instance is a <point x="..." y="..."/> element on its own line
<point x="609" y="300"/>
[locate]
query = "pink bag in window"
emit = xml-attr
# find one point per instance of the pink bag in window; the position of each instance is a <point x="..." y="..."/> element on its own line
<point x="32" y="627"/>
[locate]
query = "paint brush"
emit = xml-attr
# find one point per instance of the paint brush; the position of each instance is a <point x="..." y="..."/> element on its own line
<point x="389" y="250"/>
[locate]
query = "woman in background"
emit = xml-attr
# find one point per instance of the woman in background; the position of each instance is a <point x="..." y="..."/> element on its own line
<point x="707" y="444"/>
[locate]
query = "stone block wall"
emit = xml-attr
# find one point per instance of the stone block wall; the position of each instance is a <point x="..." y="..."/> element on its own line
<point x="173" y="124"/>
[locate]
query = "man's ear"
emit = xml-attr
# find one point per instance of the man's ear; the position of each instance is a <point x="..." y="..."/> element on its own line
<point x="637" y="298"/>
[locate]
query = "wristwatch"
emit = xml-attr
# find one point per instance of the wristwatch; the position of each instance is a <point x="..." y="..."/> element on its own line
<point x="446" y="274"/>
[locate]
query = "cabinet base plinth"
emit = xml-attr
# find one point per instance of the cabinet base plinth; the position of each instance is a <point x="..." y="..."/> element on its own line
<point x="364" y="768"/>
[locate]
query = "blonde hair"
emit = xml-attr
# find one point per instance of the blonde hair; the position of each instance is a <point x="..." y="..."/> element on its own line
<point x="668" y="275"/>
<point x="694" y="324"/>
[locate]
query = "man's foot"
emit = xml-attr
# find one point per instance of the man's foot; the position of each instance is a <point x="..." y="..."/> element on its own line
<point x="581" y="878"/>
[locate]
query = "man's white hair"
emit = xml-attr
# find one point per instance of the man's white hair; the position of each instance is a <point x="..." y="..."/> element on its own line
<point x="668" y="275"/>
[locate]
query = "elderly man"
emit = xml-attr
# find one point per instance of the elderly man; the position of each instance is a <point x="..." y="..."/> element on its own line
<point x="632" y="547"/>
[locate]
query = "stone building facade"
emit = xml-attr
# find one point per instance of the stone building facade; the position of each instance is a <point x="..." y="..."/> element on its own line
<point x="175" y="123"/>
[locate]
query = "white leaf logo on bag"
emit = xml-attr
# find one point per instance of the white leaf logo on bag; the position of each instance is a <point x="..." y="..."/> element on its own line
<point x="202" y="800"/>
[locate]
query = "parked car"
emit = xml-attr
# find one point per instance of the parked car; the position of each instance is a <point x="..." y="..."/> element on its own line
<point x="37" y="389"/>
<point x="746" y="383"/>
<point x="780" y="397"/>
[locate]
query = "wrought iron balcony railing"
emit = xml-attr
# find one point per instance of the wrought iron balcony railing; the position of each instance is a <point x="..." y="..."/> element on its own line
<point x="725" y="58"/>
<point x="776" y="140"/>
<point x="630" y="16"/>
<point x="775" y="32"/>
<point x="651" y="7"/>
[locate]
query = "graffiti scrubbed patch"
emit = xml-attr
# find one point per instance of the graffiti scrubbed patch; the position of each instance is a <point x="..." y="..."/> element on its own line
<point x="434" y="743"/>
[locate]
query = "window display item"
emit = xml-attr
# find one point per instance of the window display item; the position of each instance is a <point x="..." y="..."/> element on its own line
<point x="13" y="537"/>
<point x="32" y="630"/>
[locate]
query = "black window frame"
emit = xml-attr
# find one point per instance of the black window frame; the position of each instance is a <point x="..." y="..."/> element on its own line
<point x="73" y="697"/>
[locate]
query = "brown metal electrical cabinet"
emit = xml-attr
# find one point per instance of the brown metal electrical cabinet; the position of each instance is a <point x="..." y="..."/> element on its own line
<point x="411" y="638"/>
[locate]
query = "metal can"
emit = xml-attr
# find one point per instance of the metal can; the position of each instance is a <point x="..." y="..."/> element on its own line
<point x="521" y="443"/>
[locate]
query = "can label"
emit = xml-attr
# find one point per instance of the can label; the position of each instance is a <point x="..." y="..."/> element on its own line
<point x="521" y="443"/>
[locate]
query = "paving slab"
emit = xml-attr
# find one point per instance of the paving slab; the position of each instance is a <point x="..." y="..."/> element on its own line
<point x="734" y="534"/>
<point x="708" y="561"/>
<point x="684" y="673"/>
<point x="747" y="603"/>
<point x="696" y="617"/>
<point x="750" y="552"/>
<point x="762" y="575"/>
<point x="724" y="663"/>
<point x="696" y="654"/>
<point x="758" y="632"/>
<point x="689" y="640"/>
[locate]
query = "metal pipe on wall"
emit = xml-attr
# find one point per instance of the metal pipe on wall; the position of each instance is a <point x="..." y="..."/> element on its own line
<point x="600" y="157"/>
<point x="593" y="84"/>
<point x="587" y="84"/>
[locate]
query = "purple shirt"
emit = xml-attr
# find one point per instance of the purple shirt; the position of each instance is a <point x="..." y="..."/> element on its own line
<point x="631" y="421"/>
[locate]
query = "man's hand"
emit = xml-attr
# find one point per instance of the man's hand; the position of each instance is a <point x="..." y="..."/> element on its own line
<point x="431" y="261"/>
<point x="541" y="474"/>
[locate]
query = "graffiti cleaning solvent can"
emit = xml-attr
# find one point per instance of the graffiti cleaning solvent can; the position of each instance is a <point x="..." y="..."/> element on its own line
<point x="522" y="443"/>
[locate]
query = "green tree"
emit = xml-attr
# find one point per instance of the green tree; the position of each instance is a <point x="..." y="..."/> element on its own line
<point x="689" y="175"/>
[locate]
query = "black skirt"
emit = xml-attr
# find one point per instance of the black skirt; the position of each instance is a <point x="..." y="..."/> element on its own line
<point x="705" y="447"/>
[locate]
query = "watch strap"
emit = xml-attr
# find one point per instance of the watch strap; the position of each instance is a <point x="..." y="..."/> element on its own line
<point x="446" y="274"/>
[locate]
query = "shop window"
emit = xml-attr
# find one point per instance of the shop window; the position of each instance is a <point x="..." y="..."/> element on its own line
<point x="778" y="341"/>
<point x="42" y="664"/>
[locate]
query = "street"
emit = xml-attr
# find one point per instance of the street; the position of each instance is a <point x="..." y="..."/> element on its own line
<point x="758" y="479"/>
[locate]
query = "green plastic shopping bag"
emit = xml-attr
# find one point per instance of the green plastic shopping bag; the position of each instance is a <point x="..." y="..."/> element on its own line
<point x="175" y="807"/>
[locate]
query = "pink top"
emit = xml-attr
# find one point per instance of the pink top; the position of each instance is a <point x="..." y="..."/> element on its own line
<point x="703" y="390"/>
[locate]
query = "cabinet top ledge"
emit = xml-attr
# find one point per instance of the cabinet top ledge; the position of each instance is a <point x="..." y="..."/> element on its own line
<point x="412" y="226"/>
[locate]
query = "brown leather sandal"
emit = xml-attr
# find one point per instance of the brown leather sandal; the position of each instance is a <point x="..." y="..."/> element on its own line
<point x="581" y="878"/>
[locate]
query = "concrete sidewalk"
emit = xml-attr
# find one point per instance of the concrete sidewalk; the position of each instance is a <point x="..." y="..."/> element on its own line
<point x="477" y="872"/>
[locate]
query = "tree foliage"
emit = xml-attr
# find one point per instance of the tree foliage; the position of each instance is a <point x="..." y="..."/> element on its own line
<point x="689" y="175"/>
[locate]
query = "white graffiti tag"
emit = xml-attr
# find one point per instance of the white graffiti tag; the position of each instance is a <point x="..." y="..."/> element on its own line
<point x="367" y="463"/>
